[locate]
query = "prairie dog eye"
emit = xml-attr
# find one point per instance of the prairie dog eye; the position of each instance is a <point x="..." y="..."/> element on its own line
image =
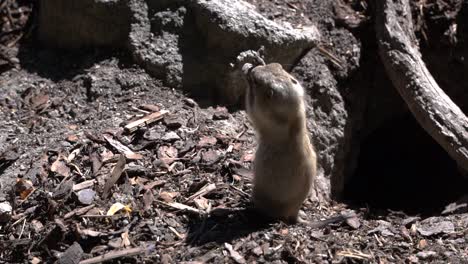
<point x="270" y="93"/>
<point x="294" y="81"/>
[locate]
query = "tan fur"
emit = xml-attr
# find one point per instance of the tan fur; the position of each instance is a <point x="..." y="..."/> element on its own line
<point x="285" y="161"/>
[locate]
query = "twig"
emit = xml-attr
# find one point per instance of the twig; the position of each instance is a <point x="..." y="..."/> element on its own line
<point x="239" y="190"/>
<point x="118" y="254"/>
<point x="78" y="211"/>
<point x="332" y="57"/>
<point x="203" y="191"/>
<point x="22" y="229"/>
<point x="180" y="206"/>
<point x="17" y="221"/>
<point x="332" y="220"/>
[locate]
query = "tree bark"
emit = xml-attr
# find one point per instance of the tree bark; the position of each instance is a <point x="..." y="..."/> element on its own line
<point x="431" y="107"/>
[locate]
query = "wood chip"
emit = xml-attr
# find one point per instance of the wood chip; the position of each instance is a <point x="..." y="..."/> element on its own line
<point x="129" y="154"/>
<point x="60" y="167"/>
<point x="148" y="119"/>
<point x="72" y="255"/>
<point x="153" y="184"/>
<point x="83" y="185"/>
<point x="115" y="175"/>
<point x="150" y="107"/>
<point x="148" y="199"/>
<point x="234" y="254"/>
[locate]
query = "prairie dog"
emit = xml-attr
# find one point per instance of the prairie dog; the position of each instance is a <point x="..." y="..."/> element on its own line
<point x="285" y="161"/>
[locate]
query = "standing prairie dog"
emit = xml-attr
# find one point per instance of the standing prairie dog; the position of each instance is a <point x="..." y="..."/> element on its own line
<point x="285" y="161"/>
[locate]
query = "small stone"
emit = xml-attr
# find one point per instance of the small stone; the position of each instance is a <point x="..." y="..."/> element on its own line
<point x="35" y="260"/>
<point x="207" y="141"/>
<point x="248" y="157"/>
<point x="152" y="135"/>
<point x="166" y="259"/>
<point x="171" y="136"/>
<point x="190" y="102"/>
<point x="409" y="220"/>
<point x="167" y="154"/>
<point x="5" y="212"/>
<point x="210" y="156"/>
<point x="37" y="226"/>
<point x="72" y="138"/>
<point x="426" y="254"/>
<point x="72" y="255"/>
<point x="173" y="121"/>
<point x="413" y="259"/>
<point x="433" y="226"/>
<point x="86" y="196"/>
<point x="422" y="244"/>
<point x="201" y="203"/>
<point x="168" y="197"/>
<point x="266" y="249"/>
<point x="221" y="113"/>
<point x="353" y="222"/>
<point x="115" y="243"/>
<point x="258" y="251"/>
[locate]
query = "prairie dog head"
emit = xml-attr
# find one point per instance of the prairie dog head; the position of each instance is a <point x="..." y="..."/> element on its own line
<point x="274" y="99"/>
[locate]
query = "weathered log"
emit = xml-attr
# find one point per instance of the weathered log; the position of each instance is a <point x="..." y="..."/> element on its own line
<point x="429" y="104"/>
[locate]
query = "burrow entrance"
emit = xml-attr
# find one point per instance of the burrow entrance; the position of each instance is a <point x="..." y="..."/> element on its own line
<point x="402" y="168"/>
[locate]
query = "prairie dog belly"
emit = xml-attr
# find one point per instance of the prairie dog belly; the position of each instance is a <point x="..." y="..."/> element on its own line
<point x="279" y="171"/>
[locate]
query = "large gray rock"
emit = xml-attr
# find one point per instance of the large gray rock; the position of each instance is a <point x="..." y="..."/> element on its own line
<point x="191" y="44"/>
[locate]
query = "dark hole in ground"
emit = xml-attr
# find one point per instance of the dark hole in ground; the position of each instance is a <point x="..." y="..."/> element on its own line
<point x="401" y="167"/>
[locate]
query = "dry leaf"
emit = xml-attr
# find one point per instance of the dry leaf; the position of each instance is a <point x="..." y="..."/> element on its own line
<point x="106" y="155"/>
<point x="153" y="184"/>
<point x="72" y="155"/>
<point x="118" y="207"/>
<point x="24" y="187"/>
<point x="148" y="199"/>
<point x="168" y="196"/>
<point x="206" y="141"/>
